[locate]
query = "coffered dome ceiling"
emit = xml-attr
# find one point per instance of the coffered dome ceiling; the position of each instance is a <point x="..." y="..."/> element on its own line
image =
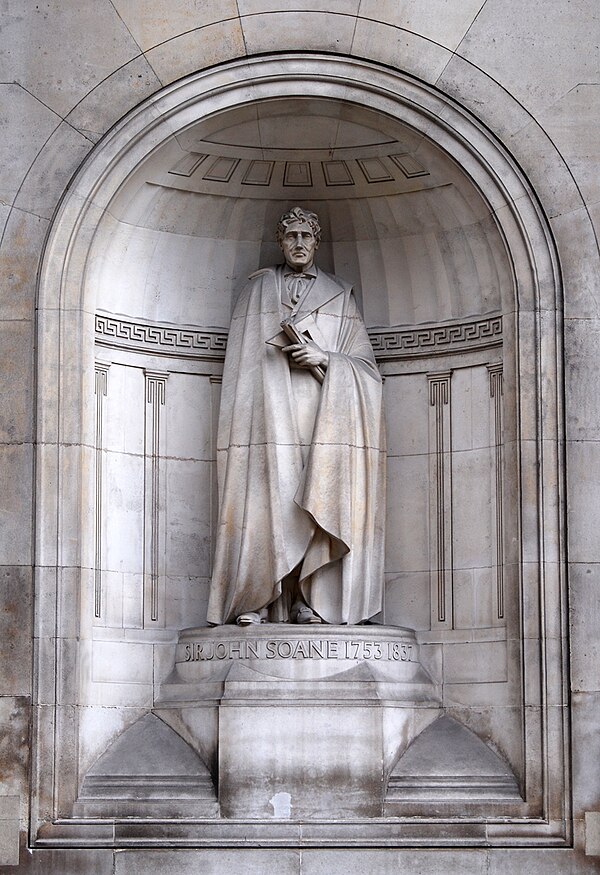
<point x="399" y="218"/>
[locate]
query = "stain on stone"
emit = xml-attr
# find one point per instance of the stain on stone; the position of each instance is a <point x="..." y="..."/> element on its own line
<point x="15" y="629"/>
<point x="14" y="743"/>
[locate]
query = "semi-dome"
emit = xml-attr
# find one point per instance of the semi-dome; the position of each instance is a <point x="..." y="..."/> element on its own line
<point x="400" y="219"/>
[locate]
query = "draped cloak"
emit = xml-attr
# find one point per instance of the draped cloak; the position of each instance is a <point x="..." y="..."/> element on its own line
<point x="301" y="466"/>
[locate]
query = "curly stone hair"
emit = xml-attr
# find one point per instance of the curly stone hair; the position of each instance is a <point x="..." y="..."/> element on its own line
<point x="297" y="214"/>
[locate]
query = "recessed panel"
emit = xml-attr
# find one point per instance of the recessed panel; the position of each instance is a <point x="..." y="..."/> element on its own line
<point x="221" y="170"/>
<point x="337" y="173"/>
<point x="297" y="173"/>
<point x="258" y="173"/>
<point x="374" y="170"/>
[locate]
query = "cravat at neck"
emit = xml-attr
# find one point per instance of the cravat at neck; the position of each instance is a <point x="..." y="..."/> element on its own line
<point x="296" y="284"/>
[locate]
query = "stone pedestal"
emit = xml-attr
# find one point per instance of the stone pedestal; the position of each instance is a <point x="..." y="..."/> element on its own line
<point x="299" y="721"/>
<point x="300" y="761"/>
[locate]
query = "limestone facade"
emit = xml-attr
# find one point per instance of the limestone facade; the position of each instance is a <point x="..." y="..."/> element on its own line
<point x="451" y="152"/>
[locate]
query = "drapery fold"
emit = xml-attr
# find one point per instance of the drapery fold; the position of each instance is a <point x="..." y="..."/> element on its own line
<point x="286" y="500"/>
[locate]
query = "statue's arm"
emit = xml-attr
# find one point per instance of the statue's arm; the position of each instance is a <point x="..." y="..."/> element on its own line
<point x="353" y="343"/>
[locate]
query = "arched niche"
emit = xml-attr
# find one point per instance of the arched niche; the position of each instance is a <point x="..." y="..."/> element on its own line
<point x="455" y="271"/>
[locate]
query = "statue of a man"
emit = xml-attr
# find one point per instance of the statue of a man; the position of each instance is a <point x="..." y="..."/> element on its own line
<point x="301" y="449"/>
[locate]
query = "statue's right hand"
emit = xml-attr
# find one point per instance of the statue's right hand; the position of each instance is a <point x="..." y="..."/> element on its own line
<point x="307" y="355"/>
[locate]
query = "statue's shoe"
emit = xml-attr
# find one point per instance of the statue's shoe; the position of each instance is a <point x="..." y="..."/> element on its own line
<point x="251" y="618"/>
<point x="306" y="615"/>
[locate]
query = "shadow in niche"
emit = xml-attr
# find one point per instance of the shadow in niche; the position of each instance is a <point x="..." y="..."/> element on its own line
<point x="148" y="771"/>
<point x="447" y="764"/>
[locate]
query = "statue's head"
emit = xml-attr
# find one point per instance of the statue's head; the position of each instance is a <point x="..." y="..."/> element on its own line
<point x="298" y="216"/>
<point x="299" y="235"/>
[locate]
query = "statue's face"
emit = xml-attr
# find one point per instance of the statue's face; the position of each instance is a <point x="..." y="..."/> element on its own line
<point x="298" y="245"/>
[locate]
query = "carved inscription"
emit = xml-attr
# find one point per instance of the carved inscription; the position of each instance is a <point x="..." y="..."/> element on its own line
<point x="296" y="648"/>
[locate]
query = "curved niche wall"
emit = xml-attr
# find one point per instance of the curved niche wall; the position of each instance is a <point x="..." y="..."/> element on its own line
<point x="424" y="223"/>
<point x="409" y="229"/>
<point x="407" y="226"/>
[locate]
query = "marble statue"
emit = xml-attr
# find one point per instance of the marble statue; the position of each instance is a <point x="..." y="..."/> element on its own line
<point x="301" y="449"/>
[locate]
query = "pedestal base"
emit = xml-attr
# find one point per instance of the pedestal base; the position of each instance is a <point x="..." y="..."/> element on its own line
<point x="299" y="722"/>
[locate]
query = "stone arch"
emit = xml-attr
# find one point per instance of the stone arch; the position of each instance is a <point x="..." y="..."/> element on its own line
<point x="532" y="332"/>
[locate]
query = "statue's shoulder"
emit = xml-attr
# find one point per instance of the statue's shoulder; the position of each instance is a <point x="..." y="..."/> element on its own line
<point x="263" y="271"/>
<point x="336" y="281"/>
<point x="258" y="284"/>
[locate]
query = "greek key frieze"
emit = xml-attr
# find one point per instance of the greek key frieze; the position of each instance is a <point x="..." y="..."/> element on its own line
<point x="391" y="343"/>
<point x="187" y="342"/>
<point x="388" y="343"/>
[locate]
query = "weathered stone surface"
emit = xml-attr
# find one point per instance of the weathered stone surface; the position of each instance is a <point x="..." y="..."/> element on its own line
<point x="257" y="7"/>
<point x="9" y="830"/>
<point x="399" y="48"/>
<point x="211" y="861"/>
<point x="390" y="862"/>
<point x="113" y="97"/>
<point x="259" y="675"/>
<point x="572" y="124"/>
<point x="576" y="242"/>
<point x="592" y="833"/>
<point x="447" y="759"/>
<point x="88" y="861"/>
<point x="321" y="30"/>
<point x="499" y="62"/>
<point x="541" y="862"/>
<point x="21" y="143"/>
<point x="148" y="770"/>
<point x="21" y="250"/>
<point x="59" y="52"/>
<point x="199" y="48"/>
<point x="15" y="740"/>
<point x="52" y="170"/>
<point x="582" y="337"/>
<point x="494" y="41"/>
<point x="16" y="465"/>
<point x="538" y="154"/>
<point x="16" y="598"/>
<point x="149" y="25"/>
<point x="582" y="510"/>
<point x="586" y="769"/>
<point x="16" y="381"/>
<point x="584" y="612"/>
<point x="473" y="88"/>
<point x="441" y="21"/>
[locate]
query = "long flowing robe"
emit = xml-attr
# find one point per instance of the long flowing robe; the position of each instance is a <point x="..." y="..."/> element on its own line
<point x="301" y="466"/>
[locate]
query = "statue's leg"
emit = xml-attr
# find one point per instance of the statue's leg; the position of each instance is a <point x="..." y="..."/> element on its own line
<point x="301" y="612"/>
<point x="322" y="591"/>
<point x="279" y="610"/>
